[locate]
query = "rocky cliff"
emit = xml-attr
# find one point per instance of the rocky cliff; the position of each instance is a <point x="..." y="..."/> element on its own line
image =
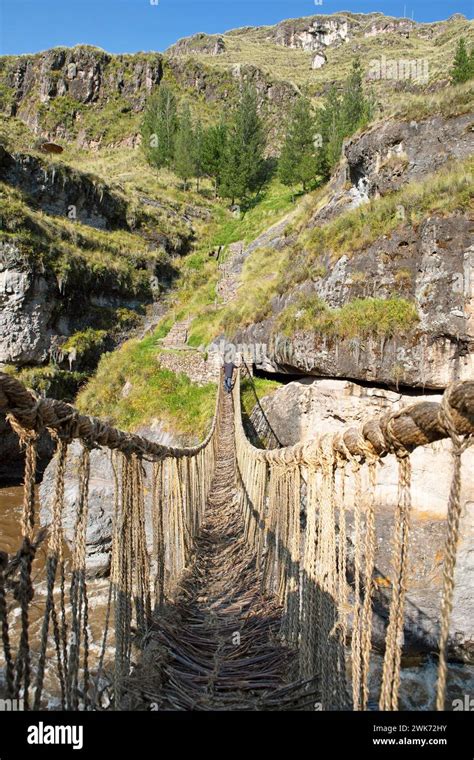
<point x="58" y="189"/>
<point x="91" y="98"/>
<point x="423" y="256"/>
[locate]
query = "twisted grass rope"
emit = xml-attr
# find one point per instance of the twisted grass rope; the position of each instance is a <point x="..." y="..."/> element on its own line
<point x="78" y="592"/>
<point x="399" y="433"/>
<point x="54" y="557"/>
<point x="366" y="614"/>
<point x="7" y="653"/>
<point x="451" y="546"/>
<point x="22" y="665"/>
<point x="315" y="596"/>
<point x="394" y="639"/>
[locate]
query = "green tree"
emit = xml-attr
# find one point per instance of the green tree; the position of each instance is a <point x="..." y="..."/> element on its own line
<point x="199" y="171"/>
<point x="298" y="162"/>
<point x="330" y="132"/>
<point x="159" y="127"/>
<point x="213" y="147"/>
<point x="355" y="108"/>
<point x="185" y="147"/>
<point x="463" y="63"/>
<point x="242" y="168"/>
<point x="341" y="117"/>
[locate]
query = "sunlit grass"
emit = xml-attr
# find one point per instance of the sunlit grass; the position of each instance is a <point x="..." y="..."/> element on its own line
<point x="153" y="393"/>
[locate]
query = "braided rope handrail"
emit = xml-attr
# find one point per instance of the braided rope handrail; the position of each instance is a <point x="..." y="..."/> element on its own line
<point x="415" y="425"/>
<point x="314" y="568"/>
<point x="36" y="414"/>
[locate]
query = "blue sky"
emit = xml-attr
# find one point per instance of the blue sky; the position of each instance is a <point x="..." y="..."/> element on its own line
<point x="119" y="26"/>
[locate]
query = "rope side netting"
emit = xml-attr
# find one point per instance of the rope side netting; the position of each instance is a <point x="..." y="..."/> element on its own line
<point x="140" y="579"/>
<point x="295" y="508"/>
<point x="308" y="568"/>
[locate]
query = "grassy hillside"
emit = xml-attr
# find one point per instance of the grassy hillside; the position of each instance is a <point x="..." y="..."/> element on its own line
<point x="268" y="273"/>
<point x="167" y="228"/>
<point x="434" y="43"/>
<point x="153" y="393"/>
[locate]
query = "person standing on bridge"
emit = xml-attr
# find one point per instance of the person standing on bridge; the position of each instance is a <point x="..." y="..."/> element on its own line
<point x="230" y="363"/>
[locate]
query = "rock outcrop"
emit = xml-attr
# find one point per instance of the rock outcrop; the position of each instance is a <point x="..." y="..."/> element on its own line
<point x="311" y="34"/>
<point x="303" y="409"/>
<point x="83" y="73"/>
<point x="430" y="263"/>
<point x="316" y="33"/>
<point x="198" y="44"/>
<point x="27" y="300"/>
<point x="389" y="155"/>
<point x="62" y="191"/>
<point x="60" y="93"/>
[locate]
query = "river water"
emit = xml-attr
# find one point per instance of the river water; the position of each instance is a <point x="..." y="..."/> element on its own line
<point x="11" y="498"/>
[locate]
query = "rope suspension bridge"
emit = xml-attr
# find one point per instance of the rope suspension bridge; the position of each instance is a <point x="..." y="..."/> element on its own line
<point x="251" y="595"/>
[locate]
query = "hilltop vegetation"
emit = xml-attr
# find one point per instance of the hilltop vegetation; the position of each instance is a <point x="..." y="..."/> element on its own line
<point x="169" y="142"/>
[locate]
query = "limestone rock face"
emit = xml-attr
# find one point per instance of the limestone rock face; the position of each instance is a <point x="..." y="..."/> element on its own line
<point x="84" y="80"/>
<point x="391" y="154"/>
<point x="303" y="409"/>
<point x="85" y="74"/>
<point x="429" y="263"/>
<point x="432" y="266"/>
<point x="205" y="44"/>
<point x="318" y="61"/>
<point x="315" y="33"/>
<point x="27" y="300"/>
<point x="312" y="34"/>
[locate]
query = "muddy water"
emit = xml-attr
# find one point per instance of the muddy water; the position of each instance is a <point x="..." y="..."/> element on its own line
<point x="11" y="498"/>
<point x="10" y="513"/>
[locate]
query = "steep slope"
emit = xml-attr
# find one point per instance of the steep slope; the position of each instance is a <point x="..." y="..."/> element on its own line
<point x="316" y="51"/>
<point x="371" y="279"/>
<point x="91" y="236"/>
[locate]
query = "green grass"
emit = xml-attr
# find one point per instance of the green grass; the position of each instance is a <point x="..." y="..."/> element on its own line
<point x="155" y="393"/>
<point x="448" y="101"/>
<point x="196" y="287"/>
<point x="362" y="317"/>
<point x="268" y="272"/>
<point x="274" y="202"/>
<point x="441" y="193"/>
<point x="49" y="380"/>
<point x="81" y="257"/>
<point x="261" y="387"/>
